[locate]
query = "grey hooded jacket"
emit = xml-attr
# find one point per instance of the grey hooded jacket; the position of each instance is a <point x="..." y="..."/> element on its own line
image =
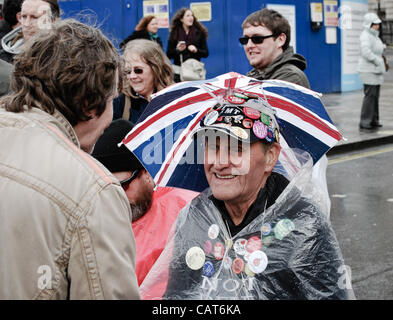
<point x="288" y="66"/>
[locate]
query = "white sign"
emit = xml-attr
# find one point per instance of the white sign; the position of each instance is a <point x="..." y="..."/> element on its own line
<point x="351" y="25"/>
<point x="289" y="13"/>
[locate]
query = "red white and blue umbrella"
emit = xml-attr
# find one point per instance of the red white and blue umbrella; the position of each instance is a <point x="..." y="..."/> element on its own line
<point x="163" y="137"/>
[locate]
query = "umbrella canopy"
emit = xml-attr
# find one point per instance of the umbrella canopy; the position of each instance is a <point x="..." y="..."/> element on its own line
<point x="163" y="137"/>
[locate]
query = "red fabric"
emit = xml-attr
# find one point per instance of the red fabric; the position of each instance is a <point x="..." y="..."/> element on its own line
<point x="151" y="231"/>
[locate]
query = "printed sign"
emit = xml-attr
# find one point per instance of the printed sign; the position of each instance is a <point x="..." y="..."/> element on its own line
<point x="158" y="8"/>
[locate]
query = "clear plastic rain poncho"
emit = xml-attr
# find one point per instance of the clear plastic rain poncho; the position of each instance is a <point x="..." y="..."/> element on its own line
<point x="289" y="251"/>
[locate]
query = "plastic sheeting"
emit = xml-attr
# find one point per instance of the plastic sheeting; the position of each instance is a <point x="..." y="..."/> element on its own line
<point x="288" y="252"/>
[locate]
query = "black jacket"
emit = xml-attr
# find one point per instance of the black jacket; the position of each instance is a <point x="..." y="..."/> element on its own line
<point x="138" y="105"/>
<point x="303" y="263"/>
<point x="142" y="34"/>
<point x="199" y="42"/>
<point x="288" y="66"/>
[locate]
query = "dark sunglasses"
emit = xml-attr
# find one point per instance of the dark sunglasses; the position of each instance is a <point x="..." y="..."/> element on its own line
<point x="254" y="39"/>
<point x="136" y="71"/>
<point x="126" y="183"/>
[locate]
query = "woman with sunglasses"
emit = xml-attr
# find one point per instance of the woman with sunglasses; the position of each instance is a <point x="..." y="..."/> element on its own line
<point x="146" y="71"/>
<point x="146" y="29"/>
<point x="187" y="38"/>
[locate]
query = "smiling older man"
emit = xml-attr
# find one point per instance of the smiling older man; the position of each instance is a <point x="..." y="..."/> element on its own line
<point x="253" y="234"/>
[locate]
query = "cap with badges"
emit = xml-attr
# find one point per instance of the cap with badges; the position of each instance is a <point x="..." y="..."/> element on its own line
<point x="244" y="116"/>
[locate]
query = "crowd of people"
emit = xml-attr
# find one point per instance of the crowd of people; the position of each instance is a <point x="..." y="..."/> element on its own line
<point x="93" y="224"/>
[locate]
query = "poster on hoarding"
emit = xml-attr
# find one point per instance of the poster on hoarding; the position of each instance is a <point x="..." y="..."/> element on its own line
<point x="158" y="8"/>
<point x="202" y="10"/>
<point x="331" y="13"/>
<point x="351" y="26"/>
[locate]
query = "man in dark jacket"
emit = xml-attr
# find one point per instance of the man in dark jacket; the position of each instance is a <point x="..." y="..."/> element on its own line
<point x="269" y="51"/>
<point x="11" y="16"/>
<point x="253" y="234"/>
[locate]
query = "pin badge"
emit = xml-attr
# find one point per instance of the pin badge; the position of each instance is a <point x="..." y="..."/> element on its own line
<point x="195" y="258"/>
<point x="247" y="123"/>
<point x="218" y="251"/>
<point x="207" y="247"/>
<point x="240" y="95"/>
<point x="208" y="269"/>
<point x="240" y="246"/>
<point x="277" y="135"/>
<point x="266" y="229"/>
<point x="283" y="228"/>
<point x="254" y="243"/>
<point x="213" y="231"/>
<point x="239" y="132"/>
<point x="238" y="265"/>
<point x="210" y="118"/>
<point x="251" y="113"/>
<point x="270" y="135"/>
<point x="260" y="130"/>
<point x="257" y="261"/>
<point x="235" y="100"/>
<point x="227" y="262"/>
<point x="265" y="119"/>
<point x="248" y="271"/>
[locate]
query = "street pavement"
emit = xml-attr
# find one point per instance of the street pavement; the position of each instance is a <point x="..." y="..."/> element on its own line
<point x="361" y="213"/>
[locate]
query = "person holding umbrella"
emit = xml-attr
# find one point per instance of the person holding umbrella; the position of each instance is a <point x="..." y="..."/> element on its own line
<point x="254" y="233"/>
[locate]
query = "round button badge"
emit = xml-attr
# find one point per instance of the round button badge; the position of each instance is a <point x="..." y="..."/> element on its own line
<point x="235" y="100"/>
<point x="254" y="243"/>
<point x="251" y="113"/>
<point x="257" y="261"/>
<point x="266" y="229"/>
<point x="207" y="247"/>
<point x="208" y="269"/>
<point x="283" y="228"/>
<point x="227" y="262"/>
<point x="218" y="251"/>
<point x="210" y="118"/>
<point x="239" y="132"/>
<point x="195" y="258"/>
<point x="265" y="119"/>
<point x="260" y="130"/>
<point x="238" y="265"/>
<point x="247" y="123"/>
<point x="213" y="231"/>
<point x="240" y="246"/>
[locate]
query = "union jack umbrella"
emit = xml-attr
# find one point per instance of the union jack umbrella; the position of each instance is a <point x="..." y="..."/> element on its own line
<point x="163" y="137"/>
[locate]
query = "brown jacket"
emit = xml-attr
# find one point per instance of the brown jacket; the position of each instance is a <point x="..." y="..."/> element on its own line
<point x="65" y="221"/>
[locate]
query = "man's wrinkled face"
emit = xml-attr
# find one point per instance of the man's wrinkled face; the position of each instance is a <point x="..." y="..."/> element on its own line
<point x="263" y="54"/>
<point x="235" y="171"/>
<point x="35" y="15"/>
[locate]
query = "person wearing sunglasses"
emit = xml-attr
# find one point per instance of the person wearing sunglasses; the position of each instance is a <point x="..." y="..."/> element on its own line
<point x="146" y="71"/>
<point x="266" y="37"/>
<point x="154" y="210"/>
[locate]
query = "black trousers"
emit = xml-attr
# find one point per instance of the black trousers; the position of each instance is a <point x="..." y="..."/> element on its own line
<point x="370" y="107"/>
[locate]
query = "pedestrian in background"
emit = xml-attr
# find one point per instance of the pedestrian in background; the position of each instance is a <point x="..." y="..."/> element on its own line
<point x="65" y="220"/>
<point x="147" y="28"/>
<point x="35" y="15"/>
<point x="147" y="70"/>
<point x="10" y="15"/>
<point x="187" y="39"/>
<point x="266" y="38"/>
<point x="371" y="68"/>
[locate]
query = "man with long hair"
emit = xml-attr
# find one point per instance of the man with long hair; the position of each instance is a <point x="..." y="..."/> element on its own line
<point x="65" y="220"/>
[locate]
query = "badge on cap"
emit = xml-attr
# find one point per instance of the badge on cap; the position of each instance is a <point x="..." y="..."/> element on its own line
<point x="265" y="119"/>
<point x="240" y="95"/>
<point x="208" y="269"/>
<point x="260" y="130"/>
<point x="248" y="271"/>
<point x="247" y="123"/>
<point x="251" y="113"/>
<point x="213" y="231"/>
<point x="238" y="265"/>
<point x="270" y="135"/>
<point x="277" y="135"/>
<point x="240" y="246"/>
<point x="218" y="251"/>
<point x="210" y="118"/>
<point x="195" y="258"/>
<point x="257" y="261"/>
<point x="235" y="100"/>
<point x="267" y="241"/>
<point x="239" y="132"/>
